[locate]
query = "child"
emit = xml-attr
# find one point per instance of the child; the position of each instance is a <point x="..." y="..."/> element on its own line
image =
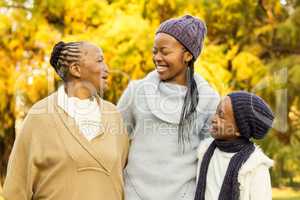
<point x="230" y="166"/>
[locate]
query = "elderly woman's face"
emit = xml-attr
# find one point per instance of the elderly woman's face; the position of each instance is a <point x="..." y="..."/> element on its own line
<point x="93" y="70"/>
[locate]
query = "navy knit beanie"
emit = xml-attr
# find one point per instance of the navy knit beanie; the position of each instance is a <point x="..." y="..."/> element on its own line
<point x="188" y="30"/>
<point x="252" y="114"/>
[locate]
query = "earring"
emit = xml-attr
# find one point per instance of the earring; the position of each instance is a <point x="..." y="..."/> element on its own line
<point x="186" y="63"/>
<point x="188" y="72"/>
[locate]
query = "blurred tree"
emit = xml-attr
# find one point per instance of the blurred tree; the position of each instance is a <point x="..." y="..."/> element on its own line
<point x="251" y="45"/>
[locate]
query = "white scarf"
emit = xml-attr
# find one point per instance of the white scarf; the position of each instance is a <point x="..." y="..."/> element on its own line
<point x="86" y="113"/>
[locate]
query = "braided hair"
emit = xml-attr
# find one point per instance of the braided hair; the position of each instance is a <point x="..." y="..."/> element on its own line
<point x="63" y="55"/>
<point x="190" y="103"/>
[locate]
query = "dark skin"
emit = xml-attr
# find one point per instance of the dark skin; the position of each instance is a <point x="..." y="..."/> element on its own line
<point x="223" y="123"/>
<point x="170" y="59"/>
<point x="89" y="76"/>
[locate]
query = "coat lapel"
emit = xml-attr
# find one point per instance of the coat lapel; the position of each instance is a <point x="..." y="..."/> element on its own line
<point x="69" y="123"/>
<point x="107" y="145"/>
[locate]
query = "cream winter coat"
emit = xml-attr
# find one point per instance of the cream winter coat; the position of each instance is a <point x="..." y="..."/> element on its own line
<point x="254" y="176"/>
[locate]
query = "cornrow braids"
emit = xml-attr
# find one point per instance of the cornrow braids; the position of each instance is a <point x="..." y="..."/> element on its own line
<point x="64" y="54"/>
<point x="191" y="100"/>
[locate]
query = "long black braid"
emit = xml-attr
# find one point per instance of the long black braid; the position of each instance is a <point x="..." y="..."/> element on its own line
<point x="190" y="103"/>
<point x="64" y="54"/>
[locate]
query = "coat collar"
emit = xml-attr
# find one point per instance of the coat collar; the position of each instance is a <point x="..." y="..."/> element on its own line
<point x="256" y="158"/>
<point x="69" y="123"/>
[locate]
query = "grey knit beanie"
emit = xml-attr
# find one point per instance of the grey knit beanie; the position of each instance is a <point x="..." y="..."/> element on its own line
<point x="252" y="114"/>
<point x="188" y="30"/>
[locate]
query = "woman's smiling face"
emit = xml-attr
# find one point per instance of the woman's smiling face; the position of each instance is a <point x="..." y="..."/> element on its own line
<point x="170" y="58"/>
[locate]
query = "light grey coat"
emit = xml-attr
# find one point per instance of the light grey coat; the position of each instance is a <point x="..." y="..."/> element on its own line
<point x="157" y="168"/>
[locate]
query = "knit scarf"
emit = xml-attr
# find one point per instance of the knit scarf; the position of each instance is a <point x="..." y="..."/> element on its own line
<point x="243" y="148"/>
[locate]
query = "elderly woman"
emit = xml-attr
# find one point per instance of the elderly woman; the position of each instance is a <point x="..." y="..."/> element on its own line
<point x="72" y="144"/>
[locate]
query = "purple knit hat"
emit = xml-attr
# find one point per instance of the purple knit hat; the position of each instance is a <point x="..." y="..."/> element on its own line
<point x="188" y="30"/>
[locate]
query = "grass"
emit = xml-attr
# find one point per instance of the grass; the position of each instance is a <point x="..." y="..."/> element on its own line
<point x="277" y="193"/>
<point x="286" y="193"/>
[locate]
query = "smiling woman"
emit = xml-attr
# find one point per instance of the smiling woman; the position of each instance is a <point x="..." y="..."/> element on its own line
<point x="72" y="137"/>
<point x="167" y="114"/>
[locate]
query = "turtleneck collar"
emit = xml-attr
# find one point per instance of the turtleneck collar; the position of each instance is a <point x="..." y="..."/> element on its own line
<point x="165" y="100"/>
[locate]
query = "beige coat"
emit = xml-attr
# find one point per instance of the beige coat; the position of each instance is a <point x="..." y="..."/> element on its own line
<point x="52" y="160"/>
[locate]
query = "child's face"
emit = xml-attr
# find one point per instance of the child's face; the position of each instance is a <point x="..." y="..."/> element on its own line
<point x="223" y="122"/>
